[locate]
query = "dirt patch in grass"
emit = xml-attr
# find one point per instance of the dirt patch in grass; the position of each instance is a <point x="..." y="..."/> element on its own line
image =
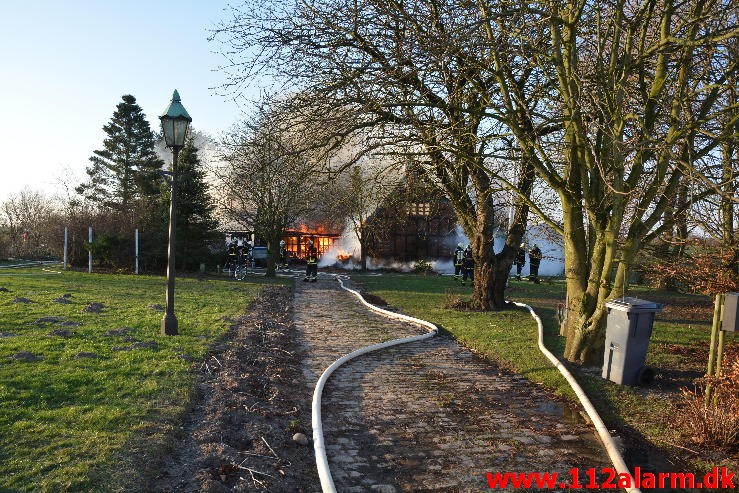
<point x="252" y="399"/>
<point x="374" y="299"/>
<point x="93" y="307"/>
<point x="26" y="356"/>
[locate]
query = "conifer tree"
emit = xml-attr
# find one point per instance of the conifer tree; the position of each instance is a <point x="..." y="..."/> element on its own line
<point x="125" y="169"/>
<point x="196" y="225"/>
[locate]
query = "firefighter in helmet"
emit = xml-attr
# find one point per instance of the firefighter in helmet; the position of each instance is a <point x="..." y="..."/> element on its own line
<point x="520" y="260"/>
<point x="468" y="266"/>
<point x="458" y="261"/>
<point x="535" y="256"/>
<point x="283" y="254"/>
<point x="311" y="269"/>
<point x="232" y="254"/>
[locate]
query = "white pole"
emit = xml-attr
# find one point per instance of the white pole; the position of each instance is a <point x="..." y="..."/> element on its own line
<point x="510" y="211"/>
<point x="66" y="242"/>
<point x="89" y="253"/>
<point x="137" y="250"/>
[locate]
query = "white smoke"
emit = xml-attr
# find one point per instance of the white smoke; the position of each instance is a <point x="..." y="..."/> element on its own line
<point x="552" y="263"/>
<point x="348" y="244"/>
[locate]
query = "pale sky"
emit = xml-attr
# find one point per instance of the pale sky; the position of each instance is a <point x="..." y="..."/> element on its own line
<point x="64" y="66"/>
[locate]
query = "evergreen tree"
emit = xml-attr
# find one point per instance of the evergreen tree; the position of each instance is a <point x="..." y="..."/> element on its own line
<point x="196" y="226"/>
<point x="124" y="170"/>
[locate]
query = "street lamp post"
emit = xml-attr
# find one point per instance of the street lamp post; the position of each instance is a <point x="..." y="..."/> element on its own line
<point x="175" y="121"/>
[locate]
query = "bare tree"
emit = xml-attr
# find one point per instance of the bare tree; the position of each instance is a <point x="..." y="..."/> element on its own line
<point x="615" y="105"/>
<point x="633" y="91"/>
<point x="266" y="181"/>
<point x="358" y="193"/>
<point x="28" y="216"/>
<point x="418" y="73"/>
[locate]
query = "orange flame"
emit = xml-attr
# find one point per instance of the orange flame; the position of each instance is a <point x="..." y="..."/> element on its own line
<point x="318" y="230"/>
<point x="344" y="257"/>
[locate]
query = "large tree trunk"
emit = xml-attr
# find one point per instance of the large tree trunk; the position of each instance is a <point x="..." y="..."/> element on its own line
<point x="491" y="270"/>
<point x="363" y="259"/>
<point x="482" y="235"/>
<point x="273" y="252"/>
<point x="591" y="282"/>
<point x="363" y="253"/>
<point x="483" y="297"/>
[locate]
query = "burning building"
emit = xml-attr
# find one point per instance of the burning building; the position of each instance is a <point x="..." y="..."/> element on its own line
<point x="416" y="222"/>
<point x="296" y="239"/>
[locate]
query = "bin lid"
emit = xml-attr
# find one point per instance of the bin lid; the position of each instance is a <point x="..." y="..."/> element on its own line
<point x="634" y="305"/>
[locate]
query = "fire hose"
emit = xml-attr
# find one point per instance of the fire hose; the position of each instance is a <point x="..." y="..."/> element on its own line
<point x="324" y="472"/>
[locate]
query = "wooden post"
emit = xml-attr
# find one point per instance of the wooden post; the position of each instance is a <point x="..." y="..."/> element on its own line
<point x="89" y="252"/>
<point x="66" y="243"/>
<point x="714" y="335"/>
<point x="714" y="360"/>
<point x="720" y="351"/>
<point x="136" y="268"/>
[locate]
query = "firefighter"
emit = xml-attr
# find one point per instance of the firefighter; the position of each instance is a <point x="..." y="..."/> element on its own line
<point x="468" y="266"/>
<point x="311" y="268"/>
<point x="458" y="261"/>
<point x="520" y="260"/>
<point x="283" y="255"/>
<point x="232" y="255"/>
<point x="534" y="261"/>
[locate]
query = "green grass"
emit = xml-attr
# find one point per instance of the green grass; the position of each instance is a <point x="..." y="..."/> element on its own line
<point x="67" y="422"/>
<point x="510" y="338"/>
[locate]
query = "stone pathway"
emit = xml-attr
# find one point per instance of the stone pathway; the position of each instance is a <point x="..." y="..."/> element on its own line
<point x="426" y="416"/>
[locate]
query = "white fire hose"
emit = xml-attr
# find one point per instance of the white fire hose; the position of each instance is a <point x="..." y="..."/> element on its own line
<point x="605" y="436"/>
<point x="324" y="472"/>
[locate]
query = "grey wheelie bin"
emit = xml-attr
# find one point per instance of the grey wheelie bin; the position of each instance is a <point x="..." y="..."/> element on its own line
<point x="629" y="326"/>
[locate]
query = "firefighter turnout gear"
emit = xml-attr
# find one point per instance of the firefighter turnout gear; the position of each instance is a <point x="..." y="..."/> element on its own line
<point x="534" y="261"/>
<point x="458" y="261"/>
<point x="282" y="262"/>
<point x="311" y="268"/>
<point x="468" y="266"/>
<point x="232" y="256"/>
<point x="520" y="260"/>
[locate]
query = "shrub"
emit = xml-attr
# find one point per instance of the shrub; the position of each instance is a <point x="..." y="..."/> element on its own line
<point x="422" y="267"/>
<point x="713" y="422"/>
<point x="704" y="267"/>
<point x="455" y="302"/>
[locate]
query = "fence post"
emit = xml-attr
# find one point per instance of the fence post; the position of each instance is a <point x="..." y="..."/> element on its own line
<point x="716" y="347"/>
<point x="66" y="242"/>
<point x="89" y="252"/>
<point x="137" y="251"/>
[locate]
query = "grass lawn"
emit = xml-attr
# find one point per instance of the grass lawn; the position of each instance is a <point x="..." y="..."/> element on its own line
<point x="71" y="421"/>
<point x="678" y="348"/>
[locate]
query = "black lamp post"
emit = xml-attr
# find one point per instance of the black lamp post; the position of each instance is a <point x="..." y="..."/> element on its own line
<point x="175" y="121"/>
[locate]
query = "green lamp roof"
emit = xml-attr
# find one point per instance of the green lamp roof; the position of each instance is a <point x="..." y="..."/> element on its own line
<point x="175" y="108"/>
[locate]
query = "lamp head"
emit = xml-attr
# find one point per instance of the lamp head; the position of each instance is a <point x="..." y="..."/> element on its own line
<point x="175" y="122"/>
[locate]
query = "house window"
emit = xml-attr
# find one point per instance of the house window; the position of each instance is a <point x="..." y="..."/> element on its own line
<point x="419" y="209"/>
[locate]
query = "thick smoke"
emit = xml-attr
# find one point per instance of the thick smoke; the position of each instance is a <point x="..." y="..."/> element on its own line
<point x="552" y="263"/>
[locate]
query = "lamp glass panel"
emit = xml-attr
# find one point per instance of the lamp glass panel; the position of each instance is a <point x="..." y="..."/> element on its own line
<point x="180" y="131"/>
<point x="168" y="129"/>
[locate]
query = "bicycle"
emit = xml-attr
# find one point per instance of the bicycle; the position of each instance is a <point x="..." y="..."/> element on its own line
<point x="242" y="267"/>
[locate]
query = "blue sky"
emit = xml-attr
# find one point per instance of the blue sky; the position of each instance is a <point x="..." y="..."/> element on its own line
<point x="65" y="65"/>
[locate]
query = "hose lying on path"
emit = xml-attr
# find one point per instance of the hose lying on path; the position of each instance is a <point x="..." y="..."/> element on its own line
<point x="324" y="472"/>
<point x="605" y="436"/>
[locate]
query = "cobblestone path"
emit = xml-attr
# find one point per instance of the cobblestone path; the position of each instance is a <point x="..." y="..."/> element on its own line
<point x="426" y="416"/>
